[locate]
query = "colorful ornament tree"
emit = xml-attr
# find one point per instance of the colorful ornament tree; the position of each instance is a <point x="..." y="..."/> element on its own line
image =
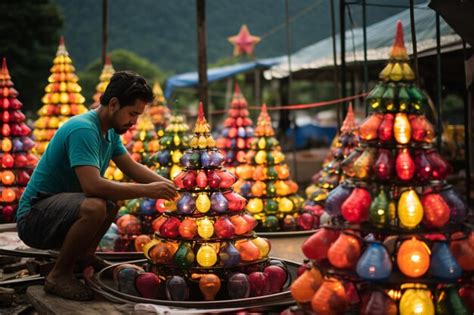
<point x="237" y="135"/>
<point x="62" y="100"/>
<point x="331" y="174"/>
<point x="158" y="110"/>
<point x="265" y="181"/>
<point x="144" y="141"/>
<point x="104" y="79"/>
<point x="17" y="161"/>
<point x="207" y="242"/>
<point x="398" y="242"/>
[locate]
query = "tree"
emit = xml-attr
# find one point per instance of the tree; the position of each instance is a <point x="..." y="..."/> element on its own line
<point x="122" y="60"/>
<point x="37" y="23"/>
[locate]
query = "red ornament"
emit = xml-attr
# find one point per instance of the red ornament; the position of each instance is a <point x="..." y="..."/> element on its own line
<point x="7" y="160"/>
<point x="423" y="166"/>
<point x="241" y="226"/>
<point x="356" y="207"/>
<point x="179" y="180"/>
<point x="224" y="228"/>
<point x="385" y="130"/>
<point x="345" y="251"/>
<point x="213" y="179"/>
<point x="201" y="179"/>
<point x="170" y="227"/>
<point x="317" y="245"/>
<point x="243" y="42"/>
<point x="189" y="180"/>
<point x="277" y="276"/>
<point x="421" y="129"/>
<point x="405" y="165"/>
<point x="368" y="130"/>
<point x="440" y="167"/>
<point x="227" y="179"/>
<point x="383" y="167"/>
<point x="435" y="210"/>
<point x="235" y="201"/>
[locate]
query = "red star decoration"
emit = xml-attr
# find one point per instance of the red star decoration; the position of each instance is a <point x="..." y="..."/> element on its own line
<point x="244" y="42"/>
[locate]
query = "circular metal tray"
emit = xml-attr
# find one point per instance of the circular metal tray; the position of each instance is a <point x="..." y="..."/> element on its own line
<point x="288" y="234"/>
<point x="282" y="298"/>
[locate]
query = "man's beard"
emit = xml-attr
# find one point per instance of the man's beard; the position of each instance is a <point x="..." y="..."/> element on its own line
<point x="122" y="130"/>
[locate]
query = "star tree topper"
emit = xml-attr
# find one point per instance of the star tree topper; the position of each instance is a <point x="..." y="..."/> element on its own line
<point x="243" y="42"/>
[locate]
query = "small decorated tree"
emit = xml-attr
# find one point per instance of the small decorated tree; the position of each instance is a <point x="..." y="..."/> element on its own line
<point x="104" y="79"/>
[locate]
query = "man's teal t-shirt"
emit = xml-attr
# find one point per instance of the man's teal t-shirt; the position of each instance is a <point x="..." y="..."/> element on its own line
<point x="79" y="142"/>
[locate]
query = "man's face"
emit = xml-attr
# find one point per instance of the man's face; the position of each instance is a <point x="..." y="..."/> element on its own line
<point x="124" y="118"/>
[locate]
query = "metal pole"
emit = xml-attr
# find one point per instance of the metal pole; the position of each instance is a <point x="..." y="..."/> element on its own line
<point x="202" y="57"/>
<point x="342" y="33"/>
<point x="413" y="41"/>
<point x="290" y="79"/>
<point x="438" y="84"/>
<point x="468" y="100"/>
<point x="366" y="65"/>
<point x="334" y="56"/>
<point x="105" y="29"/>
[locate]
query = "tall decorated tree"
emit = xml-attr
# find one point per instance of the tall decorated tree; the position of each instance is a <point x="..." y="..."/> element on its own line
<point x="398" y="242"/>
<point x="158" y="110"/>
<point x="331" y="174"/>
<point x="205" y="249"/>
<point x="104" y="79"/>
<point x="62" y="100"/>
<point x="237" y="135"/>
<point x="265" y="181"/>
<point x="17" y="161"/>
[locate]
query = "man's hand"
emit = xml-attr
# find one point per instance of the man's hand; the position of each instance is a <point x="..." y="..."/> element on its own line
<point x="161" y="190"/>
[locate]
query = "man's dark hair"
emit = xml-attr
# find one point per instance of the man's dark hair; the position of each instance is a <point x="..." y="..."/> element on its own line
<point x="127" y="87"/>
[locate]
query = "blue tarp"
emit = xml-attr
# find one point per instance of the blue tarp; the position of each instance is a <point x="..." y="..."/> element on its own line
<point x="308" y="135"/>
<point x="190" y="79"/>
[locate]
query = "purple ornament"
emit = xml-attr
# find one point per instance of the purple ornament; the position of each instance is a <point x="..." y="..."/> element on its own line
<point x="186" y="204"/>
<point x="164" y="157"/>
<point x="216" y="158"/>
<point x="186" y="159"/>
<point x="17" y="145"/>
<point x="28" y="144"/>
<point x="229" y="255"/>
<point x="147" y="207"/>
<point x="218" y="202"/>
<point x="177" y="289"/>
<point x="456" y="204"/>
<point x="336" y="198"/>
<point x="205" y="159"/>
<point x="238" y="286"/>
<point x="241" y="132"/>
<point x="249" y="132"/>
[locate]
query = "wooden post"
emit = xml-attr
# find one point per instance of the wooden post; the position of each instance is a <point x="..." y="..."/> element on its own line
<point x="202" y="57"/>
<point x="105" y="29"/>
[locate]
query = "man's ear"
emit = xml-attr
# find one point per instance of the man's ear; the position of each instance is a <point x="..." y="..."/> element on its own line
<point x="114" y="104"/>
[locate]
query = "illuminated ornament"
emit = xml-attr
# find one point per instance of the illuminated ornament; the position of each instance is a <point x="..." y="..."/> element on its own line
<point x="375" y="263"/>
<point x="238" y="286"/>
<point x="205" y="228"/>
<point x="235" y="201"/>
<point x="209" y="284"/>
<point x="405" y="165"/>
<point x="170" y="228"/>
<point x="440" y="167"/>
<point x="422" y="129"/>
<point x="348" y="164"/>
<point x="380" y="212"/>
<point x="317" y="245"/>
<point x="248" y="250"/>
<point x="206" y="256"/>
<point x="443" y="265"/>
<point x="436" y="210"/>
<point x="188" y="228"/>
<point x="383" y="167"/>
<point x="241" y="226"/>
<point x="462" y="248"/>
<point x="402" y="128"/>
<point x="410" y="209"/>
<point x="214" y="180"/>
<point x="422" y="166"/>
<point x="184" y="256"/>
<point x="385" y="130"/>
<point x="355" y="208"/>
<point x="255" y="205"/>
<point x="263" y="246"/>
<point x="177" y="289"/>
<point x="369" y="127"/>
<point x="201" y="179"/>
<point x="218" y="202"/>
<point x="285" y="205"/>
<point x="416" y="301"/>
<point x="345" y="251"/>
<point x="161" y="253"/>
<point x="449" y="300"/>
<point x="304" y="287"/>
<point x="141" y="241"/>
<point x="413" y="258"/>
<point x="243" y="42"/>
<point x="261" y="157"/>
<point x="224" y="228"/>
<point x="363" y="165"/>
<point x="229" y="255"/>
<point x="336" y="198"/>
<point x="330" y="298"/>
<point x="455" y="203"/>
<point x="203" y="204"/>
<point x="8" y="177"/>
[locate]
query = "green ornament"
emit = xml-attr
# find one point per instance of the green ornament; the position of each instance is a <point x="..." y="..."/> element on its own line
<point x="388" y="97"/>
<point x="374" y="99"/>
<point x="379" y="213"/>
<point x="271" y="172"/>
<point x="271" y="223"/>
<point x="184" y="256"/>
<point x="271" y="190"/>
<point x="271" y="206"/>
<point x="403" y="98"/>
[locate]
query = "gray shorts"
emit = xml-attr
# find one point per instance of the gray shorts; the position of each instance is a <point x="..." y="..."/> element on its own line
<point x="51" y="216"/>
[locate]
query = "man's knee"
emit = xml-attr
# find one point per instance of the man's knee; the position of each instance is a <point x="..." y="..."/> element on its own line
<point x="94" y="209"/>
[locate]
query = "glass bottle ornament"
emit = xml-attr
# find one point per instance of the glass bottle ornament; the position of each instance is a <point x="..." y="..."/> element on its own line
<point x="402" y="128"/>
<point x="369" y="127"/>
<point x="345" y="251"/>
<point x="206" y="256"/>
<point x="462" y="248"/>
<point x="384" y="165"/>
<point x="436" y="210"/>
<point x="355" y="208"/>
<point x="348" y="163"/>
<point x="380" y="213"/>
<point x="336" y="198"/>
<point x="409" y="209"/>
<point x="378" y="302"/>
<point x="440" y="167"/>
<point x="317" y="245"/>
<point x="385" y="130"/>
<point x="375" y="263"/>
<point x="238" y="286"/>
<point x="416" y="301"/>
<point x="404" y="165"/>
<point x="413" y="258"/>
<point x="363" y="165"/>
<point x="422" y="166"/>
<point x="305" y="286"/>
<point x="443" y="265"/>
<point x="422" y="129"/>
<point x="330" y="298"/>
<point x="457" y="206"/>
<point x="229" y="255"/>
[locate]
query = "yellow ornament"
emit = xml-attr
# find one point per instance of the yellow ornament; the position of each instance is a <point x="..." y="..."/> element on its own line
<point x="211" y="143"/>
<point x="202" y="142"/>
<point x="278" y="157"/>
<point x="203" y="204"/>
<point x="261" y="157"/>
<point x="175" y="170"/>
<point x="261" y="143"/>
<point x="176" y="156"/>
<point x="416" y="302"/>
<point x="402" y="128"/>
<point x="206" y="256"/>
<point x="194" y="142"/>
<point x="263" y="246"/>
<point x="146" y="248"/>
<point x="285" y="205"/>
<point x="255" y="205"/>
<point x="205" y="228"/>
<point x="282" y="189"/>
<point x="176" y="140"/>
<point x="396" y="73"/>
<point x="410" y="209"/>
<point x="118" y="175"/>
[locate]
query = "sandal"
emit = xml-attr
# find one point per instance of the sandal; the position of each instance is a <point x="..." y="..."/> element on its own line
<point x="71" y="290"/>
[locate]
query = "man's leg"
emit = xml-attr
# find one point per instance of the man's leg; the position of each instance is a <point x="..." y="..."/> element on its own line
<point x="92" y="215"/>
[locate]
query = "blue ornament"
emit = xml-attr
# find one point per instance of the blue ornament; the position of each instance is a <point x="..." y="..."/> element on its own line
<point x="456" y="204"/>
<point x="229" y="156"/>
<point x="229" y="255"/>
<point x="249" y="132"/>
<point x="177" y="289"/>
<point x="336" y="198"/>
<point x="164" y="158"/>
<point x="225" y="132"/>
<point x="17" y="145"/>
<point x="238" y="286"/>
<point x="218" y="202"/>
<point x="186" y="204"/>
<point x="216" y="158"/>
<point x="233" y="143"/>
<point x="147" y="207"/>
<point x="241" y="132"/>
<point x="375" y="263"/>
<point x="443" y="264"/>
<point x="245" y="189"/>
<point x="205" y="159"/>
<point x="186" y="159"/>
<point x="126" y="280"/>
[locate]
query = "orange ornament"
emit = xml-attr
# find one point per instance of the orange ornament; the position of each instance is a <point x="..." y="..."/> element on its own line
<point x="462" y="249"/>
<point x="306" y="285"/>
<point x="258" y="188"/>
<point x="330" y="298"/>
<point x="8" y="195"/>
<point x="345" y="251"/>
<point x="413" y="258"/>
<point x="8" y="177"/>
<point x="140" y="241"/>
<point x="248" y="250"/>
